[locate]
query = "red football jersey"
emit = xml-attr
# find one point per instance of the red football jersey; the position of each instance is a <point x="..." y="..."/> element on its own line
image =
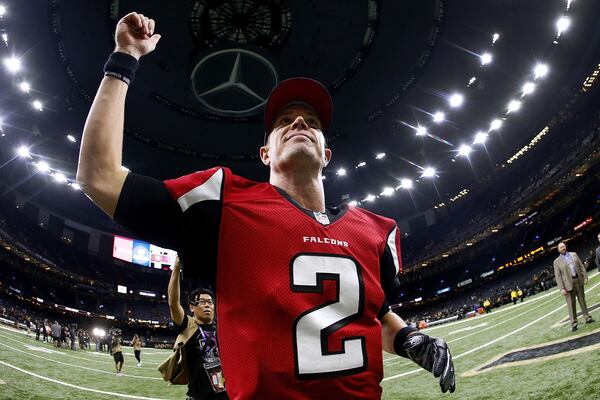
<point x="298" y="293"/>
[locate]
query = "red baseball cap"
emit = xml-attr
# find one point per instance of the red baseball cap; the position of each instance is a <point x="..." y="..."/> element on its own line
<point x="299" y="89"/>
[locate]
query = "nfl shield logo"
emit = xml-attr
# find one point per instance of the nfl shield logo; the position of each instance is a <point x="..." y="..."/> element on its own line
<point x="323" y="219"/>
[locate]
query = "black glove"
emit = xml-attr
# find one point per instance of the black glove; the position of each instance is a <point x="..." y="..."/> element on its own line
<point x="428" y="352"/>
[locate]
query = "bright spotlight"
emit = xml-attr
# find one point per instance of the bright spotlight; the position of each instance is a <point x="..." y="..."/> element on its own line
<point x="456" y="100"/>
<point x="58" y="177"/>
<point x="370" y="198"/>
<point x="353" y="203"/>
<point x="464" y="150"/>
<point x="13" y="64"/>
<point x="486" y="58"/>
<point x="71" y="138"/>
<point x="42" y="166"/>
<point x="421" y="130"/>
<point x="496" y="124"/>
<point x="2" y="10"/>
<point x="562" y="25"/>
<point x="528" y="88"/>
<point x="38" y="105"/>
<point x="471" y="81"/>
<point x="439" y="117"/>
<point x="75" y="186"/>
<point x="387" y="191"/>
<point x="514" y="105"/>
<point x="495" y="38"/>
<point x="380" y="156"/>
<point x="428" y="172"/>
<point x="540" y="71"/>
<point x="5" y="38"/>
<point x="341" y="172"/>
<point x="480" y="138"/>
<point x="25" y="86"/>
<point x="406" y="183"/>
<point x="23" y="152"/>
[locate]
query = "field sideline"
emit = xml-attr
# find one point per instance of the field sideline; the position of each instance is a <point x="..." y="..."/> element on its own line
<point x="34" y="370"/>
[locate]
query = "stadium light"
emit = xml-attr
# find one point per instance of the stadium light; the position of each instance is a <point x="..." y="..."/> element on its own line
<point x="562" y="25"/>
<point x="464" y="150"/>
<point x="439" y="117"/>
<point x="421" y="130"/>
<point x="361" y="164"/>
<point x="42" y="166"/>
<point x="486" y="58"/>
<point x="495" y="38"/>
<point x="540" y="71"/>
<point x="480" y="138"/>
<point x="528" y="88"/>
<point x="75" y="186"/>
<point x="514" y="105"/>
<point x="2" y="10"/>
<point x="387" y="191"/>
<point x="59" y="177"/>
<point x="495" y="124"/>
<point x="471" y="81"/>
<point x="71" y="139"/>
<point x="13" y="64"/>
<point x="380" y="156"/>
<point x="23" y="151"/>
<point x="370" y="198"/>
<point x="456" y="100"/>
<point x="5" y="38"/>
<point x="341" y="172"/>
<point x="353" y="203"/>
<point x="406" y="183"/>
<point x="38" y="105"/>
<point x="25" y="86"/>
<point x="428" y="172"/>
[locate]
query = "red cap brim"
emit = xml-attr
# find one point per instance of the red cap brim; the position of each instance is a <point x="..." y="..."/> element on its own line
<point x="303" y="90"/>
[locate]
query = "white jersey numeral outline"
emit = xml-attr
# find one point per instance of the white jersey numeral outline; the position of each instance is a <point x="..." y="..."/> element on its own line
<point x="312" y="328"/>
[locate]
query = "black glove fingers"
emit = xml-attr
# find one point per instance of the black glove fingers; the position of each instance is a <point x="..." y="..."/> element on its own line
<point x="447" y="379"/>
<point x="440" y="357"/>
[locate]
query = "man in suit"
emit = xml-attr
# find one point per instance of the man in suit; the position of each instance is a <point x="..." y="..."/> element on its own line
<point x="598" y="254"/>
<point x="570" y="277"/>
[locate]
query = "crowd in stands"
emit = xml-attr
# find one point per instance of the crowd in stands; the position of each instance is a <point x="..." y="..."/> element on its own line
<point x="493" y="206"/>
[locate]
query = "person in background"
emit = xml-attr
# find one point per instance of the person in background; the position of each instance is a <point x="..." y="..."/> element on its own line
<point x="571" y="277"/>
<point x="514" y="296"/>
<point x="56" y="333"/>
<point x="136" y="343"/>
<point x="202" y="351"/>
<point x="117" y="352"/>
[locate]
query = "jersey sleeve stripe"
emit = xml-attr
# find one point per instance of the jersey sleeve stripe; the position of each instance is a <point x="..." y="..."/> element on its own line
<point x="391" y="242"/>
<point x="209" y="190"/>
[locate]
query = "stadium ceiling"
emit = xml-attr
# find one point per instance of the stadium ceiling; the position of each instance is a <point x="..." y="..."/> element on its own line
<point x="429" y="95"/>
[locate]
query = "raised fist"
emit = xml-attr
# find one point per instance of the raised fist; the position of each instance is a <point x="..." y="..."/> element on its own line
<point x="135" y="35"/>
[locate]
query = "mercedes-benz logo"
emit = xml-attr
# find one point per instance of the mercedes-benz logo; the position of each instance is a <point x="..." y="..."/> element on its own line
<point x="233" y="82"/>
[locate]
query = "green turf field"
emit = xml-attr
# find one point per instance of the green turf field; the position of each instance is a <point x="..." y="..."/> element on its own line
<point x="34" y="370"/>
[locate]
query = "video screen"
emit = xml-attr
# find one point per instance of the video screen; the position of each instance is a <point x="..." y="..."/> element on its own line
<point x="143" y="253"/>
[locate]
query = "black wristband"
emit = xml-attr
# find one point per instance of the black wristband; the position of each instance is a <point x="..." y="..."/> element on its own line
<point x="400" y="338"/>
<point x="121" y="66"/>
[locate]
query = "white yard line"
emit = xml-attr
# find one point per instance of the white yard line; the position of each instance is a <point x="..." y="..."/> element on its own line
<point x="74" y="365"/>
<point x="490" y="342"/>
<point x="81" y="358"/>
<point x="128" y="396"/>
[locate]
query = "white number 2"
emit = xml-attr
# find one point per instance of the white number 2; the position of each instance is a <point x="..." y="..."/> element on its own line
<point x="313" y="327"/>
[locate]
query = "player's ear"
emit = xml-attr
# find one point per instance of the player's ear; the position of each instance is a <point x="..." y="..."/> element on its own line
<point x="264" y="155"/>
<point x="327" y="157"/>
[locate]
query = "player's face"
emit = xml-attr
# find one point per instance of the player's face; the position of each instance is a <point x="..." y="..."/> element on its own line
<point x="296" y="140"/>
<point x="562" y="248"/>
<point x="203" y="308"/>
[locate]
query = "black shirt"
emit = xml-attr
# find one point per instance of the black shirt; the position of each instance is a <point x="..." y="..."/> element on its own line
<point x="200" y="347"/>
